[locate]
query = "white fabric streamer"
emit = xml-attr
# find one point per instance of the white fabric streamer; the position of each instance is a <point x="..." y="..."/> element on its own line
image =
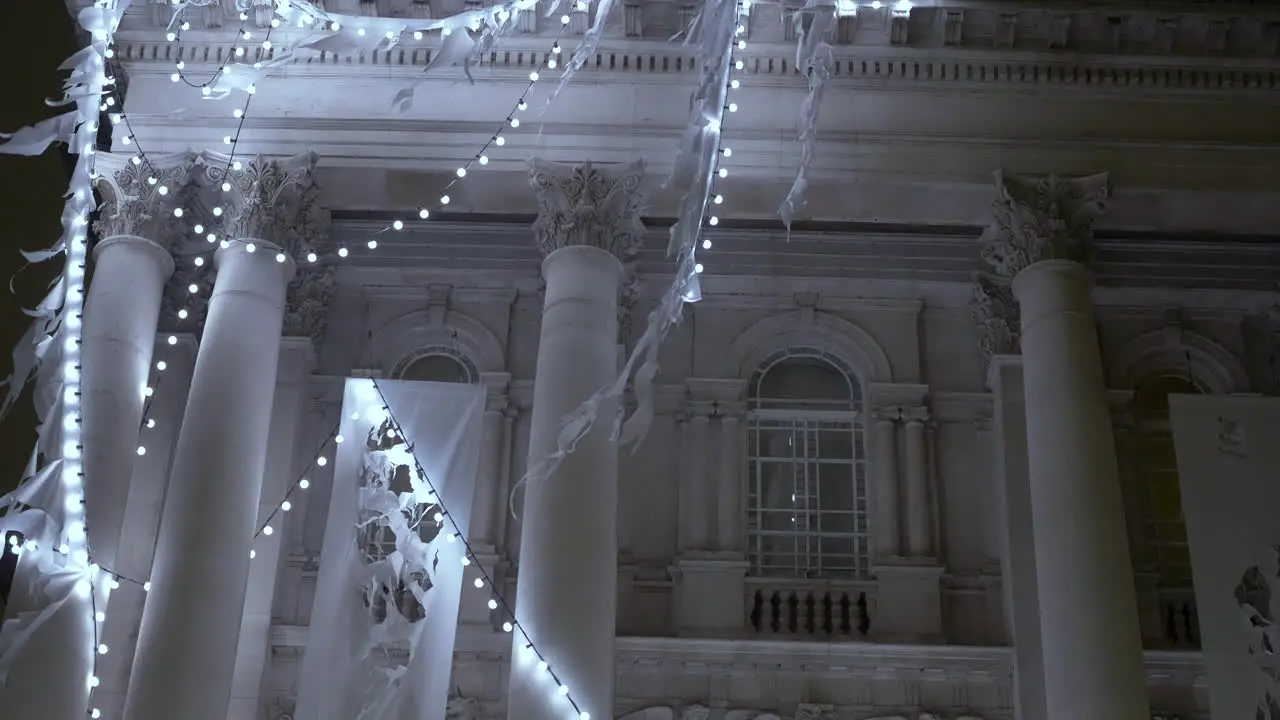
<point x="814" y="59"/>
<point x="587" y="48"/>
<point x="409" y="599"/>
<point x="712" y="35"/>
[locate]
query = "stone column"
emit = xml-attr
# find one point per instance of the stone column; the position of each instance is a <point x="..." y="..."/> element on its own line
<point x="191" y="623"/>
<point x="567" y="582"/>
<point x="730" y="508"/>
<point x="122" y="310"/>
<point x="696" y="515"/>
<point x="1093" y="662"/>
<point x="488" y="509"/>
<point x="919" y="524"/>
<point x="886" y="459"/>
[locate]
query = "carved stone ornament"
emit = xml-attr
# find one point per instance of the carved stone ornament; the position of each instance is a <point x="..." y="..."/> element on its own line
<point x="273" y="200"/>
<point x="182" y="310"/>
<point x="1042" y="218"/>
<point x="588" y="205"/>
<point x="140" y="198"/>
<point x="995" y="310"/>
<point x="307" y="302"/>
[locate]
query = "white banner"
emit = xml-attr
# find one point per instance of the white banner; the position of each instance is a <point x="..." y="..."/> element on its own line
<point x="386" y="607"/>
<point x="1229" y="466"/>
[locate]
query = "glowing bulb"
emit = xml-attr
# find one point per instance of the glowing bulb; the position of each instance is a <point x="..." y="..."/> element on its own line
<point x="542" y="666"/>
<point x="713" y="220"/>
<point x="466" y="561"/>
<point x="493" y="604"/>
<point x="564" y="19"/>
<point x="734" y="84"/>
<point x="142" y="450"/>
<point x="424" y="213"/>
<point x="718" y="199"/>
<point x="444" y="199"/>
<point x="484" y="159"/>
<point x="175" y="77"/>
<point x="95" y="713"/>
<point x="417" y="35"/>
<point x="697" y="267"/>
<point x="322" y="461"/>
<point x="280" y="257"/>
<point x="398" y="225"/>
<point x="533" y="76"/>
<point x="102" y="649"/>
<point x="151" y="423"/>
<point x="193" y="288"/>
<point x="338" y="439"/>
<point x="479" y="583"/>
<point x="267" y="530"/>
<point x="93" y="681"/>
<point x="250" y="247"/>
<point x="304" y="483"/>
<point x="100" y="616"/>
<point x="733" y="107"/>
<point x="311" y="257"/>
<point x="506" y="627"/>
<point x="563" y="689"/>
<point x="342" y="252"/>
<point x="198" y="228"/>
<point x="253" y="554"/>
<point x="706" y="244"/>
<point x="723" y="173"/>
<point x="462" y="172"/>
<point x="172" y="339"/>
<point x="286" y="506"/>
<point x="373" y="244"/>
<point x="515" y="122"/>
<point x="584" y="715"/>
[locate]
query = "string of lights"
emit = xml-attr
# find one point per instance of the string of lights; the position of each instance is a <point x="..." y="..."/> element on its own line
<point x="723" y="152"/>
<point x="445" y="523"/>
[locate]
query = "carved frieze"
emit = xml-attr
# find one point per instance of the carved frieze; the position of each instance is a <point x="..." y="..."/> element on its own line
<point x="307" y="302"/>
<point x="276" y="201"/>
<point x="139" y="198"/>
<point x="995" y="311"/>
<point x="588" y="204"/>
<point x="1042" y="217"/>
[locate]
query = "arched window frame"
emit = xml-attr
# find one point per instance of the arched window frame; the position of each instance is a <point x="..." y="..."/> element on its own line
<point x="403" y="366"/>
<point x="812" y="550"/>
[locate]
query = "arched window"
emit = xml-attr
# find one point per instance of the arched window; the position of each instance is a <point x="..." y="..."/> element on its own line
<point x="437" y="364"/>
<point x="1158" y="490"/>
<point x="807" y="505"/>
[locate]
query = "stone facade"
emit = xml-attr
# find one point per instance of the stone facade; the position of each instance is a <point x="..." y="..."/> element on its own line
<point x="900" y="272"/>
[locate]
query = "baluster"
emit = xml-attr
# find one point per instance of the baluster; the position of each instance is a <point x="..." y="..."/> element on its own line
<point x="793" y="613"/>
<point x="845" y="626"/>
<point x="757" y="610"/>
<point x="827" y="624"/>
<point x="775" y="612"/>
<point x="1187" y="623"/>
<point x="1170" y="623"/>
<point x="864" y="617"/>
<point x="810" y="614"/>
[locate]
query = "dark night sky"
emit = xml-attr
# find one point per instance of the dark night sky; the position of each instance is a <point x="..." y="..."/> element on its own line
<point x="30" y="194"/>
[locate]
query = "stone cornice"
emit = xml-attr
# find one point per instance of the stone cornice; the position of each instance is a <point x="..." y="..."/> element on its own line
<point x="856" y="67"/>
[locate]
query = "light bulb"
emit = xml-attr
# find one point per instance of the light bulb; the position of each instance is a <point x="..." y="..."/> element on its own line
<point x="564" y="19"/>
<point x="311" y="257"/>
<point x="551" y="63"/>
<point x="148" y="391"/>
<point x="373" y="244"/>
<point x="198" y="228"/>
<point x="304" y="483"/>
<point x="286" y="506"/>
<point x="584" y="715"/>
<point x="563" y="689"/>
<point x="100" y="616"/>
<point x="250" y="247"/>
<point x="697" y="267"/>
<point x="193" y="288"/>
<point x="142" y="450"/>
<point x="424" y="213"/>
<point x="102" y="649"/>
<point x="742" y="44"/>
<point x="444" y="199"/>
<point x="342" y="252"/>
<point x="466" y="561"/>
<point x="438" y="517"/>
<point x="738" y="65"/>
<point x="515" y="122"/>
<point x="723" y="173"/>
<point x="713" y="220"/>
<point x="322" y="461"/>
<point x="542" y="666"/>
<point x="93" y="681"/>
<point x="484" y="159"/>
<point x="267" y="530"/>
<point x="226" y="187"/>
<point x="734" y="84"/>
<point x="161" y="365"/>
<point x="280" y="257"/>
<point x="253" y="554"/>
<point x="338" y="439"/>
<point x="172" y="340"/>
<point x="706" y="244"/>
<point x="151" y="423"/>
<point x="205" y="90"/>
<point x="506" y="627"/>
<point x="417" y="35"/>
<point x="462" y="172"/>
<point x="398" y="225"/>
<point x="718" y="199"/>
<point x="95" y="713"/>
<point x="493" y="604"/>
<point x="451" y="537"/>
<point x="217" y="212"/>
<point x="733" y="107"/>
<point x="533" y="77"/>
<point x="479" y="582"/>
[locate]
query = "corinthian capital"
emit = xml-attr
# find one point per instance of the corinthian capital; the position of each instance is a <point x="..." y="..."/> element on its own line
<point x="1042" y="218"/>
<point x="588" y="205"/>
<point x="995" y="311"/>
<point x="139" y="198"/>
<point x="276" y="201"/>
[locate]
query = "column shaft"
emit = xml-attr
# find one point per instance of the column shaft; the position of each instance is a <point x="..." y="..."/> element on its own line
<point x="696" y="493"/>
<point x="190" y="625"/>
<point x="567" y="583"/>
<point x="729" y="508"/>
<point x="1088" y="611"/>
<point x="886" y="488"/>
<point x="487" y="514"/>
<point x="917" y="490"/>
<point x="120" y="317"/>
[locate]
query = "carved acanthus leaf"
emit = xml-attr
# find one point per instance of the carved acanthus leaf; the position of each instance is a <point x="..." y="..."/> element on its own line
<point x="276" y="201"/>
<point x="588" y="205"/>
<point x="307" y="302"/>
<point x="1042" y="218"/>
<point x="139" y="198"/>
<point x="995" y="310"/>
<point x="183" y="309"/>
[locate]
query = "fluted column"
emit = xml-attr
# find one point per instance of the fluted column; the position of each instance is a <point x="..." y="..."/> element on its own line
<point x="918" y="520"/>
<point x="886" y="459"/>
<point x="1093" y="662"/>
<point x="567" y="582"/>
<point x="187" y="642"/>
